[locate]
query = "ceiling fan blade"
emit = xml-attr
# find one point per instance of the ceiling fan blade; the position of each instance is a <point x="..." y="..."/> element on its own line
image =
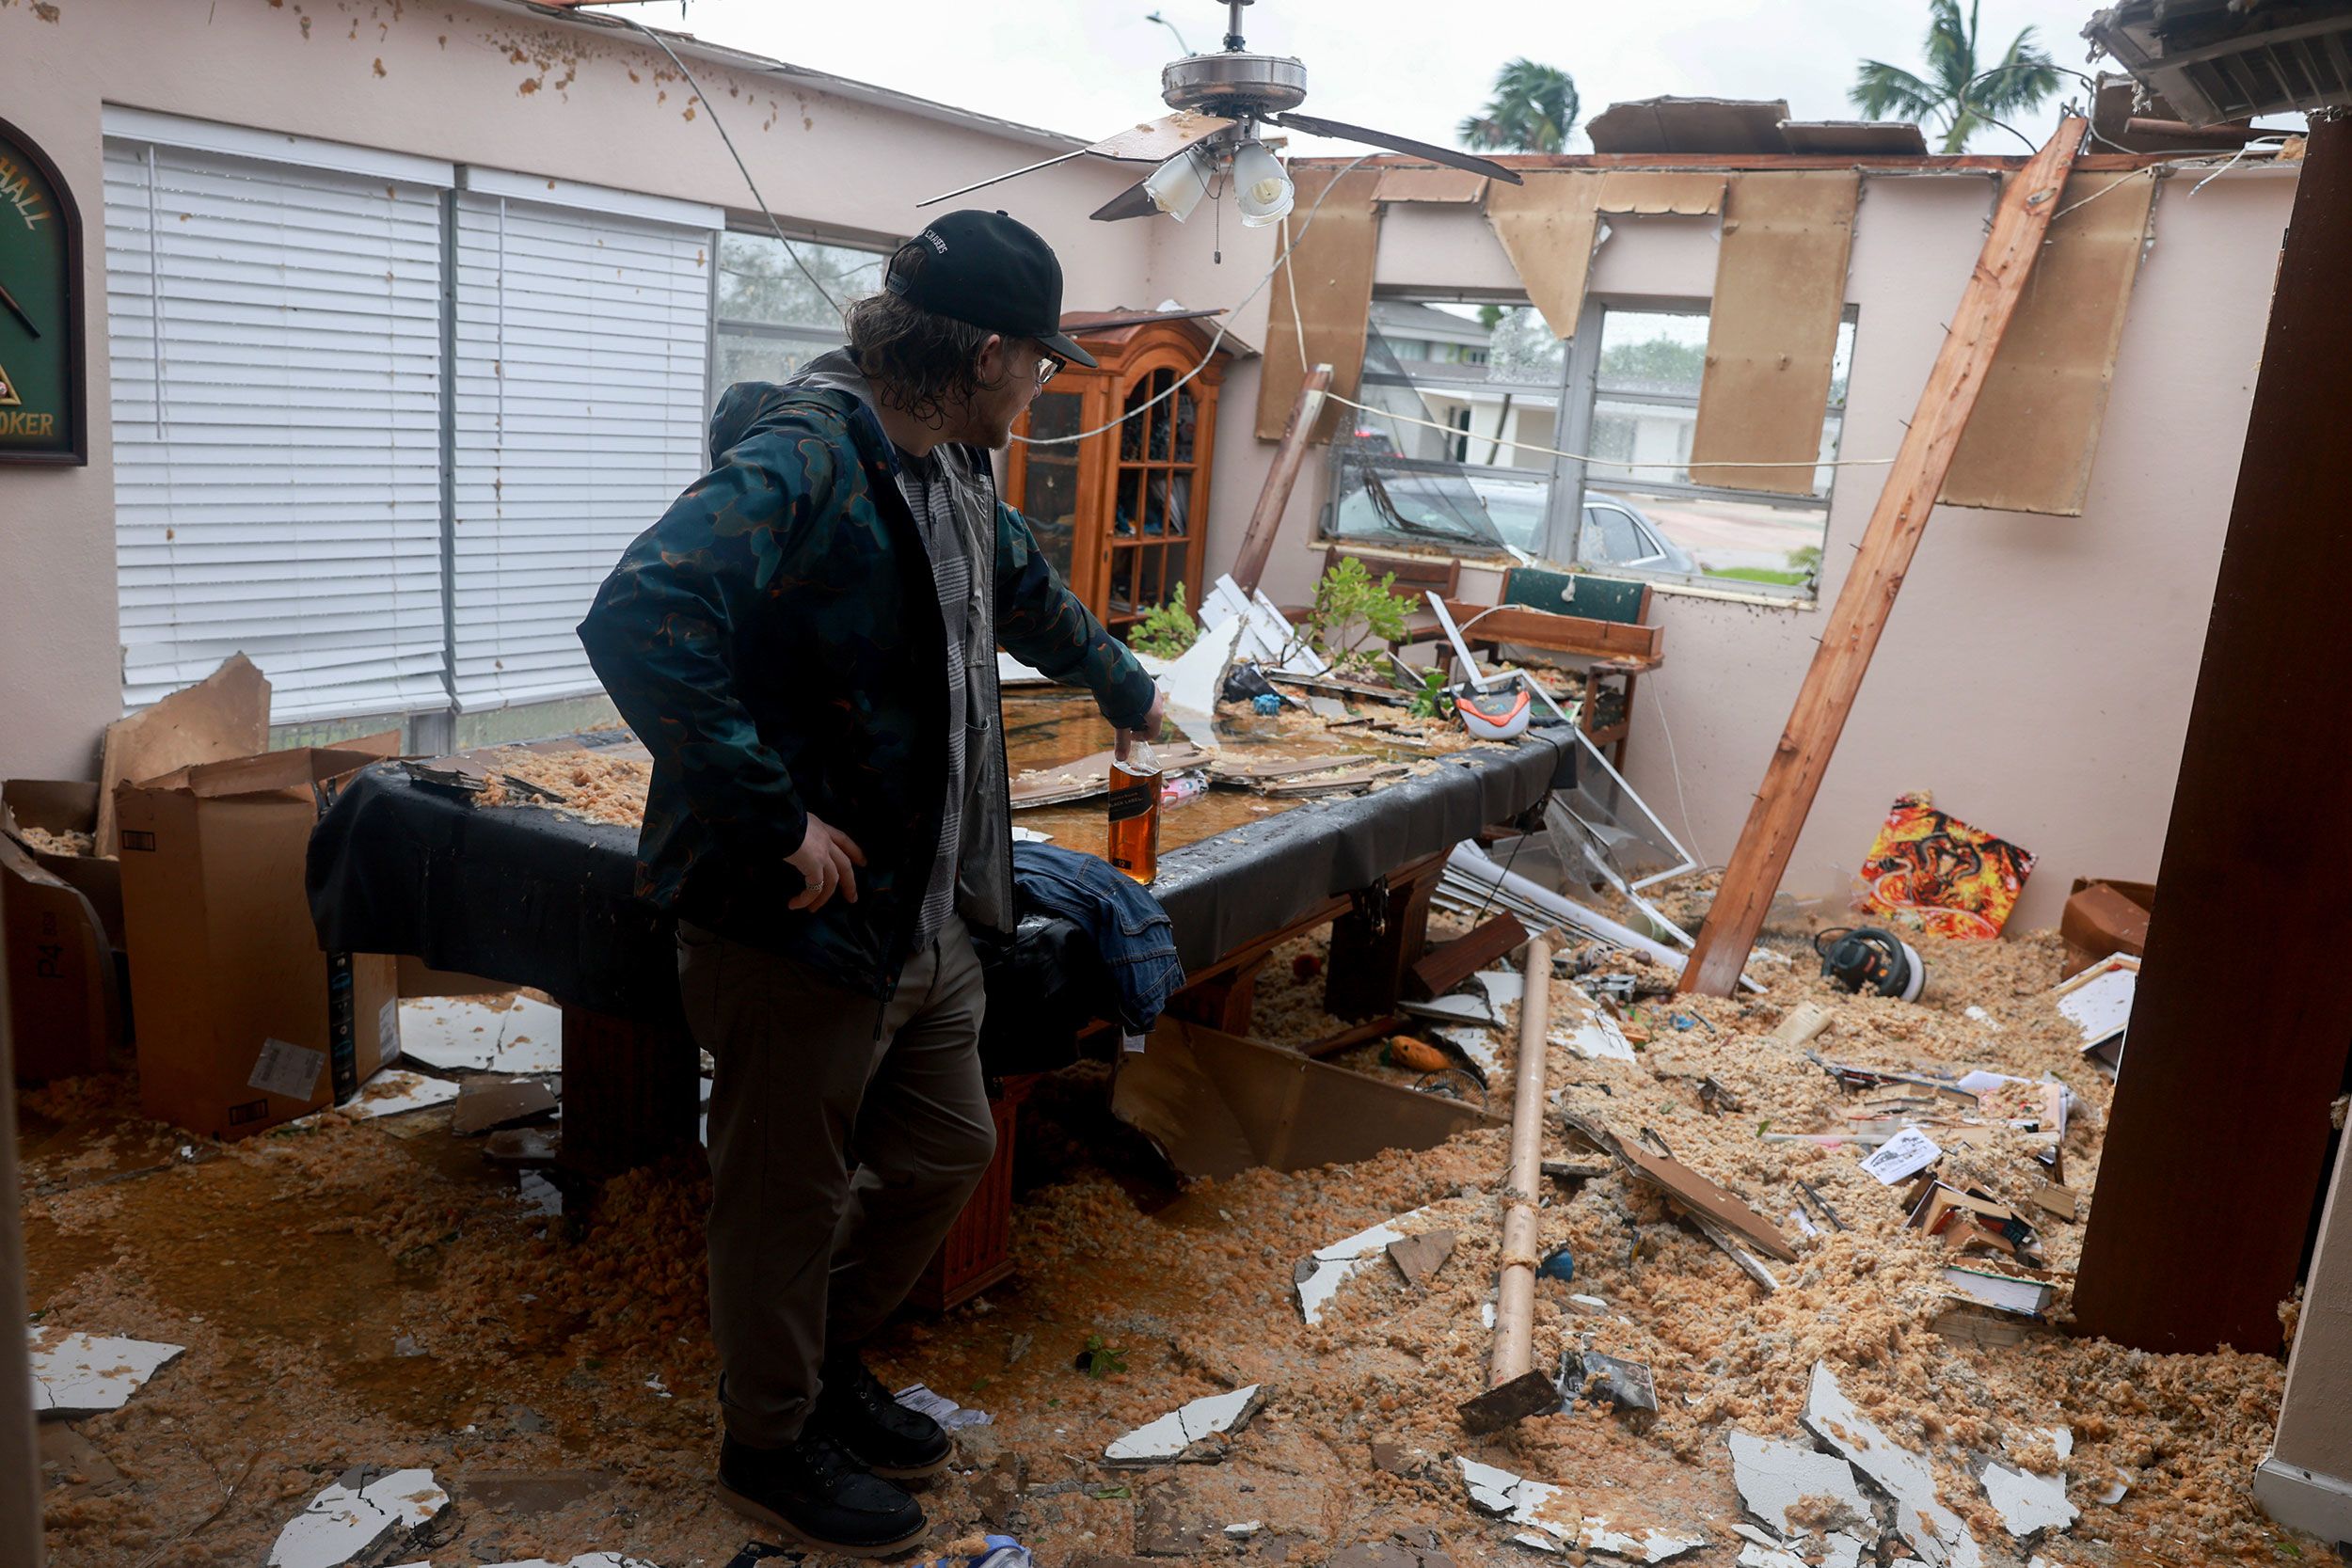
<point x="1155" y="141"/>
<point x="1446" y="155"/>
<point x="1133" y="202"/>
<point x="1009" y="174"/>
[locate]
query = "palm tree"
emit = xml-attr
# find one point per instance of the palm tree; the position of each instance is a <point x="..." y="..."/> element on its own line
<point x="1534" y="109"/>
<point x="1957" y="90"/>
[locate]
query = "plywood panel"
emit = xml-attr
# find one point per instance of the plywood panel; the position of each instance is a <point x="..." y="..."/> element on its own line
<point x="2028" y="446"/>
<point x="1640" y="191"/>
<point x="1331" y="275"/>
<point x="1547" y="227"/>
<point x="1429" y="184"/>
<point x="1780" y="287"/>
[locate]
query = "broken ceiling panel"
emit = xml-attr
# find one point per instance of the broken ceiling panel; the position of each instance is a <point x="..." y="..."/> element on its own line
<point x="1771" y="336"/>
<point x="1689" y="125"/>
<point x="1876" y="138"/>
<point x="1332" y="276"/>
<point x="1933" y="1530"/>
<point x="1190" y="1432"/>
<point x="1429" y="184"/>
<point x="1774" y="1476"/>
<point x="81" y="1374"/>
<point x="2028" y="446"/>
<point x="1548" y="227"/>
<point x="1626" y="190"/>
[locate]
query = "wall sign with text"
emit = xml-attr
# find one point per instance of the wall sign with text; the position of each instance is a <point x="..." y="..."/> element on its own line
<point x="42" y="412"/>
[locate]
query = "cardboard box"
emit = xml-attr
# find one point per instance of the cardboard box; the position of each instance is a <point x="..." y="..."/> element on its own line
<point x="243" y="1023"/>
<point x="67" y="806"/>
<point x="2103" y="917"/>
<point x="65" y="996"/>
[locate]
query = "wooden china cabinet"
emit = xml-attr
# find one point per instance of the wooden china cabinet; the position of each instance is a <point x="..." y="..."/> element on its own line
<point x="1123" y="515"/>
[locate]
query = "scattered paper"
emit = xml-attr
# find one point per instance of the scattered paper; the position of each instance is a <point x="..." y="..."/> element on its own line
<point x="82" y="1374"/>
<point x="1593" y="1034"/>
<point x="356" y="1513"/>
<point x="1906" y="1154"/>
<point x="2098" y="1003"/>
<point x="1029" y="836"/>
<point x="284" y="1068"/>
<point x="939" y="1407"/>
<point x="1172" y="1437"/>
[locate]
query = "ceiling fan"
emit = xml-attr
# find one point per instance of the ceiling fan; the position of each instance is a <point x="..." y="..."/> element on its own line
<point x="1222" y="101"/>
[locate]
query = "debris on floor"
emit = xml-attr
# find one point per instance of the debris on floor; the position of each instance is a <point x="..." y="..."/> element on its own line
<point x="1191" y="1433"/>
<point x="81" y="1374"/>
<point x="1921" y="1519"/>
<point x="354" y="1515"/>
<point x="513" y="1034"/>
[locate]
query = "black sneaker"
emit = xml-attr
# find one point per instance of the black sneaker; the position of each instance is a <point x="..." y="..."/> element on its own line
<point x="856" y="1411"/>
<point x="816" y="1495"/>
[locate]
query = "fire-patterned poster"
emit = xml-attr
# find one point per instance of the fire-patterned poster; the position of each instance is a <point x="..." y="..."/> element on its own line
<point x="1939" y="874"/>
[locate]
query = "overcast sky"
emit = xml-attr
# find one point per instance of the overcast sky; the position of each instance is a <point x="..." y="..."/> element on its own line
<point x="1091" y="66"/>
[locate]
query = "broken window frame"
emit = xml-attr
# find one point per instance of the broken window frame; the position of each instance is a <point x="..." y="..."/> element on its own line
<point x="752" y="331"/>
<point x="1561" y="538"/>
<point x="1341" y="459"/>
<point x="1564" y="533"/>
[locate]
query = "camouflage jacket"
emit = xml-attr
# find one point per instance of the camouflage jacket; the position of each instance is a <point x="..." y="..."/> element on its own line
<point x="776" y="641"/>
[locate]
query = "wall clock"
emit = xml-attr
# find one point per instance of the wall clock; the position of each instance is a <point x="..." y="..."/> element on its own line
<point x="41" y="404"/>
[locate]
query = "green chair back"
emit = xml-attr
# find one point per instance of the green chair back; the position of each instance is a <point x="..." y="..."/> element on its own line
<point x="1575" y="594"/>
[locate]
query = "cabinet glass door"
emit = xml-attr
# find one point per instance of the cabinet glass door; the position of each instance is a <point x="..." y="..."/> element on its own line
<point x="1151" y="519"/>
<point x="1049" y="496"/>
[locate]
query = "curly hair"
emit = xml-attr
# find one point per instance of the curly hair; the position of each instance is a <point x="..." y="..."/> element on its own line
<point x="921" y="363"/>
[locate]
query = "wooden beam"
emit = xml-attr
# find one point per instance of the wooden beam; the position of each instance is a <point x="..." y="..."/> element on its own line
<point x="1575" y="634"/>
<point x="1288" y="454"/>
<point x="1441" y="968"/>
<point x="1383" y="932"/>
<point x="1875" y="576"/>
<point x="2219" y="1128"/>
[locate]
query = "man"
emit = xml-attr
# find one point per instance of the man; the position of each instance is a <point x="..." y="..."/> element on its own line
<point x="806" y="641"/>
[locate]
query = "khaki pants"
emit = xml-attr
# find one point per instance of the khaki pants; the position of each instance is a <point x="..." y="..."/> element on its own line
<point x="811" y="1081"/>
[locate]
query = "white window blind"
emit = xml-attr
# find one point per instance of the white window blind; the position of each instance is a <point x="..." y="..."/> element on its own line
<point x="582" y="347"/>
<point x="274" y="345"/>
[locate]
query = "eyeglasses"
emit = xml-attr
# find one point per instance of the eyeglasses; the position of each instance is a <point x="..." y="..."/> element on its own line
<point x="1048" y="367"/>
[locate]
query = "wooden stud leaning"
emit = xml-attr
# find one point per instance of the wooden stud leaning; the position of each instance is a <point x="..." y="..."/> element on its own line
<point x="1257" y="543"/>
<point x="1793" y="776"/>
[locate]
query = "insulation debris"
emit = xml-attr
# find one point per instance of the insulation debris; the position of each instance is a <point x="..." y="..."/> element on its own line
<point x="356" y="1513"/>
<point x="81" y="1374"/>
<point x="1190" y="1433"/>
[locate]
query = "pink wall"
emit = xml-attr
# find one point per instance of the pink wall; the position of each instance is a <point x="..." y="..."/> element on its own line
<point x="2036" y="672"/>
<point x="441" y="81"/>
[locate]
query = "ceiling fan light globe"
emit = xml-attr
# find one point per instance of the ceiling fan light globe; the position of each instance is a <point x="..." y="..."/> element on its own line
<point x="1178" y="186"/>
<point x="1261" y="190"/>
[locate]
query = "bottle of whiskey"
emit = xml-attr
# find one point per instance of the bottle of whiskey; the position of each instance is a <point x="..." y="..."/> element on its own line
<point x="1134" y="812"/>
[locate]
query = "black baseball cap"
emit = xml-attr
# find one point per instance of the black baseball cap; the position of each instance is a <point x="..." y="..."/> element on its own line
<point x="986" y="270"/>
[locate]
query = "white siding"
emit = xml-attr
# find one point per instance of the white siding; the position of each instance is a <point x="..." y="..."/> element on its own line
<point x="275" y="343"/>
<point x="582" y="346"/>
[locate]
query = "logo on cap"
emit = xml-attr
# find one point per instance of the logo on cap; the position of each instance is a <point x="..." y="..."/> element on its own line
<point x="937" y="244"/>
